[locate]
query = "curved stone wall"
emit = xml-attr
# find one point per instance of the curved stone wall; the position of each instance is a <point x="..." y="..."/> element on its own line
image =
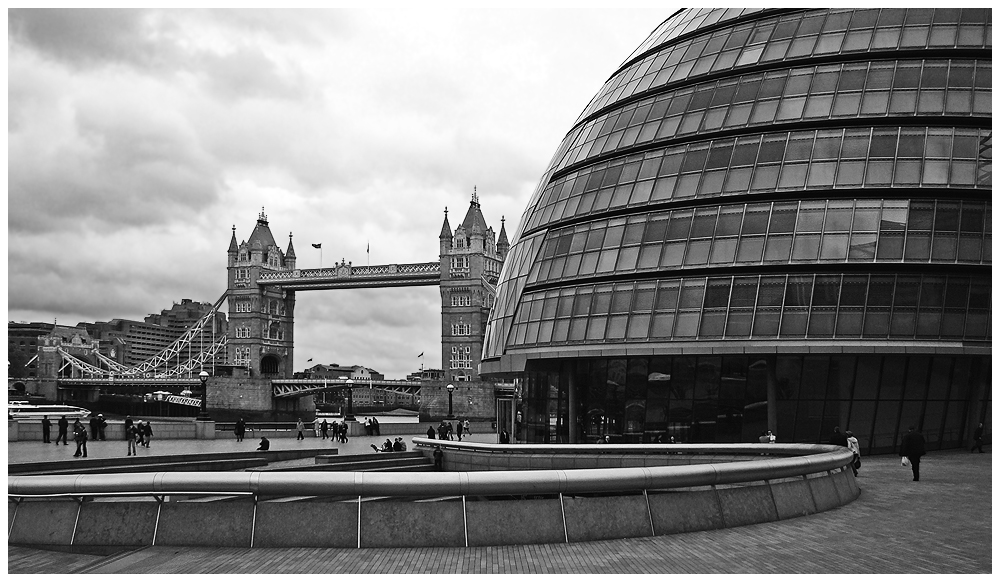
<point x="725" y="487"/>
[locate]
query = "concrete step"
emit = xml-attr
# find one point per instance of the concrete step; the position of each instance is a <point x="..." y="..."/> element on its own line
<point x="155" y="467"/>
<point x="80" y="465"/>
<point x="415" y="468"/>
<point x="335" y="459"/>
<point x="367" y="464"/>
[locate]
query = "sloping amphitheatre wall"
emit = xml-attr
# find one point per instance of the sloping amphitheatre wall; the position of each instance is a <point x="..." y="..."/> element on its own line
<point x="486" y="495"/>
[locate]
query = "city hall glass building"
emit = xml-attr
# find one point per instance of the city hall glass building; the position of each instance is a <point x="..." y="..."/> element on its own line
<point x="765" y="219"/>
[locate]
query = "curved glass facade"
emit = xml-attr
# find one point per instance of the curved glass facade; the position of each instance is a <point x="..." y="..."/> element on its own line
<point x="779" y="184"/>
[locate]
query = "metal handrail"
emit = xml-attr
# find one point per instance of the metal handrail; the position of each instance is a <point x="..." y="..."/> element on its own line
<point x="785" y="449"/>
<point x="811" y="459"/>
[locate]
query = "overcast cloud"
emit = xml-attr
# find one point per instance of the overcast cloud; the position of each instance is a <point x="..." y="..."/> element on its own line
<point x="138" y="138"/>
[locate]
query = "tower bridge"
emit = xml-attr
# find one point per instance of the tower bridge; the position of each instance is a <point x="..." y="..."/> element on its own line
<point x="262" y="282"/>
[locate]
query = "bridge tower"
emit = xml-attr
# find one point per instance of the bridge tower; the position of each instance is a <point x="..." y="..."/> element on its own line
<point x="260" y="317"/>
<point x="471" y="257"/>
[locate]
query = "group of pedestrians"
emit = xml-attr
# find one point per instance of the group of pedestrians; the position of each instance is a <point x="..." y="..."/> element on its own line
<point x="446" y="431"/>
<point x="97" y="426"/>
<point x="371" y="427"/>
<point x="388" y="446"/>
<point x="335" y="431"/>
<point x="63" y="426"/>
<point x="137" y="434"/>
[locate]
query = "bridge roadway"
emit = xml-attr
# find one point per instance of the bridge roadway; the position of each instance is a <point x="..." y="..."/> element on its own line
<point x="281" y="388"/>
<point x="346" y="276"/>
<point x="291" y="387"/>
<point x="939" y="525"/>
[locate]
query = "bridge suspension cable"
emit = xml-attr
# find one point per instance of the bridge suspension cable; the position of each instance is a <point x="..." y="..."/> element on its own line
<point x="197" y="362"/>
<point x="80" y="365"/>
<point x="112" y="365"/>
<point x="159" y="365"/>
<point x="173" y="351"/>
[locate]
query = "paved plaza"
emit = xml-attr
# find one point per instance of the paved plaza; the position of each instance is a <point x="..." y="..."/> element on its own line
<point x="939" y="525"/>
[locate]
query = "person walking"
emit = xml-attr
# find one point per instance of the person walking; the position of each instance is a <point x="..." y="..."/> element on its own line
<point x="323" y="428"/>
<point x="80" y="436"/>
<point x="130" y="439"/>
<point x="468" y="428"/>
<point x="852" y="444"/>
<point x="459" y="427"/>
<point x="838" y="438"/>
<point x="300" y="427"/>
<point x="63" y="429"/>
<point x="240" y="429"/>
<point x="46" y="429"/>
<point x="316" y="427"/>
<point x="147" y="434"/>
<point x="978" y="435"/>
<point x="129" y="434"/>
<point x="913" y="447"/>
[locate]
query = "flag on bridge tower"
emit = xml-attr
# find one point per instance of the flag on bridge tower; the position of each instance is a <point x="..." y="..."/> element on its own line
<point x="309" y="360"/>
<point x="317" y="245"/>
<point x="421" y="355"/>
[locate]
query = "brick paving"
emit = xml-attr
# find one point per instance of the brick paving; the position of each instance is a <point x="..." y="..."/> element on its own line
<point x="939" y="525"/>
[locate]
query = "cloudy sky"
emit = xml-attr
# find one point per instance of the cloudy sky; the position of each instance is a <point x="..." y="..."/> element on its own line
<point x="138" y="138"/>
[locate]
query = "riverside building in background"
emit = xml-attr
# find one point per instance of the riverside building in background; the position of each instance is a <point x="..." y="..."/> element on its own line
<point x="766" y="219"/>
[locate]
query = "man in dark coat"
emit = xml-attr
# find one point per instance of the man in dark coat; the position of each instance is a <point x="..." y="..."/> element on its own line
<point x="430" y="432"/>
<point x="94" y="424"/>
<point x="838" y="438"/>
<point x="46" y="429"/>
<point x="978" y="435"/>
<point x="147" y="434"/>
<point x="63" y="428"/>
<point x="913" y="448"/>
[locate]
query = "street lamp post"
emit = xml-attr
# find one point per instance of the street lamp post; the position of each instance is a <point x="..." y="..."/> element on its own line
<point x="349" y="417"/>
<point x="203" y="414"/>
<point x="451" y="389"/>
